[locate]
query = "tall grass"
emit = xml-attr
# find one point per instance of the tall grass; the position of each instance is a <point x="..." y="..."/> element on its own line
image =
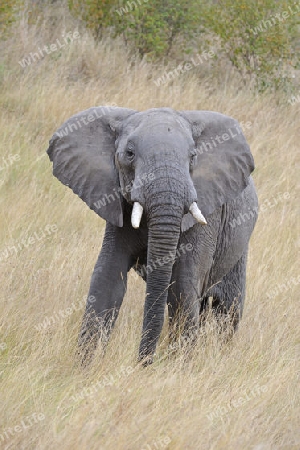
<point x="243" y="395"/>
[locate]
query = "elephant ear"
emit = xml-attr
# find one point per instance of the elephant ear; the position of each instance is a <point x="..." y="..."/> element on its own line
<point x="82" y="151"/>
<point x="223" y="163"/>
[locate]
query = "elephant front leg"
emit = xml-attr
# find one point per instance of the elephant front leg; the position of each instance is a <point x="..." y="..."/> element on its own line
<point x="189" y="316"/>
<point x="229" y="295"/>
<point x="107" y="290"/>
<point x="183" y="308"/>
<point x="189" y="278"/>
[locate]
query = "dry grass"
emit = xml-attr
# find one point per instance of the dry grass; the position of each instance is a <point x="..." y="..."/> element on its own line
<point x="169" y="404"/>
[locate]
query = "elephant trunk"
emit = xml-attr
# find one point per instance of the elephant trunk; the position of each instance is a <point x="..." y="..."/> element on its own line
<point x="164" y="211"/>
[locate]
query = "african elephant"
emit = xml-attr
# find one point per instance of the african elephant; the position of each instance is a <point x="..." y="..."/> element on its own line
<point x="180" y="205"/>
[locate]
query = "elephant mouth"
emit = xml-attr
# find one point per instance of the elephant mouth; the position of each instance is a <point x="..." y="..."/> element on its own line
<point x="137" y="212"/>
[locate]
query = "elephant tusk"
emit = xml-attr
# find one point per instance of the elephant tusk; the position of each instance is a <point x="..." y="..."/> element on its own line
<point x="197" y="214"/>
<point x="137" y="212"/>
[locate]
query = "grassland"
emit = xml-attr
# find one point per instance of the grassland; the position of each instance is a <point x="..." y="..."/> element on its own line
<point x="243" y="395"/>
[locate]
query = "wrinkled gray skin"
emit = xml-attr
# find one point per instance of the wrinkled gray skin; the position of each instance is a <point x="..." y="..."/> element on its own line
<point x="173" y="159"/>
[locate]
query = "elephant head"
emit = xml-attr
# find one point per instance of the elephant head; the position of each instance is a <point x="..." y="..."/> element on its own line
<point x="173" y="168"/>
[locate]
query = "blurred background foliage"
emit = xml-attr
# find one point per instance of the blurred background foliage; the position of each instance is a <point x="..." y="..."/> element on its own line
<point x="9" y="11"/>
<point x="259" y="38"/>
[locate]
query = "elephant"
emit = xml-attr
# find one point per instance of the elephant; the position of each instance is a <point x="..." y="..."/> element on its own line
<point x="176" y="192"/>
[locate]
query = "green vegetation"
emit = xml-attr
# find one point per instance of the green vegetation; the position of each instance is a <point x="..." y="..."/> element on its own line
<point x="8" y="15"/>
<point x="149" y="26"/>
<point x="258" y="37"/>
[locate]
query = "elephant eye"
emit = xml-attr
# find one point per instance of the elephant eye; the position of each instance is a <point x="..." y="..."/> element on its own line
<point x="130" y="151"/>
